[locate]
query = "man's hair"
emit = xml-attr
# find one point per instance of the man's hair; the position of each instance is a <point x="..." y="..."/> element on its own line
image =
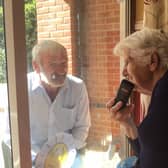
<point x="46" y="46"/>
<point x="141" y="44"/>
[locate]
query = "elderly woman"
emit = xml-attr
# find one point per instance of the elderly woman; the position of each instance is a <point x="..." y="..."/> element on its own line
<point x="145" y="56"/>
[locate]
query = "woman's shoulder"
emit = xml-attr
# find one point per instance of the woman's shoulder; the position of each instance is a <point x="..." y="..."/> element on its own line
<point x="161" y="87"/>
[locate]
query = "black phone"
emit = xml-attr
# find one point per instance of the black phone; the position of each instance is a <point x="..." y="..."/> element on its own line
<point x="124" y="92"/>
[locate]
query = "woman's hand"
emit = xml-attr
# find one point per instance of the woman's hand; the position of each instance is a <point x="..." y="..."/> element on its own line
<point x="123" y="116"/>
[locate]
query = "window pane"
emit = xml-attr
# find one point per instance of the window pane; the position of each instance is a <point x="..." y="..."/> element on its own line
<point x="88" y="30"/>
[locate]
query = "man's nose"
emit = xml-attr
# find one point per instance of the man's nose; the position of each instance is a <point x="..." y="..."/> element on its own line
<point x="61" y="69"/>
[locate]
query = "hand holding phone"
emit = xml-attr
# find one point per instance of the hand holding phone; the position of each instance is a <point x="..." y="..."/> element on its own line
<point x="124" y="92"/>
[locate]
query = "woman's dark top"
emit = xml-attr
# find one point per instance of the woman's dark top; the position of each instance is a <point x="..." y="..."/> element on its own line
<point x="152" y="143"/>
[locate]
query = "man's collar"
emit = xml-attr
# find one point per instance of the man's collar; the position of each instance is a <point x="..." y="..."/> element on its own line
<point x="36" y="81"/>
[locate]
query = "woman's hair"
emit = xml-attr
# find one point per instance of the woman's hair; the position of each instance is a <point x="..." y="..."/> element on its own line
<point x="46" y="46"/>
<point x="141" y="44"/>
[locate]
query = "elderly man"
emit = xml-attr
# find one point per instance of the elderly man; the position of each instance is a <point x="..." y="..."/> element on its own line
<point x="58" y="102"/>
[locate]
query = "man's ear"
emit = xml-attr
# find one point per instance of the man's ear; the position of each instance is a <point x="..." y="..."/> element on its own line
<point x="155" y="61"/>
<point x="36" y="66"/>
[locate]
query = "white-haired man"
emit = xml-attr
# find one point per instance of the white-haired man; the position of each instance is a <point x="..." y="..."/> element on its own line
<point x="58" y="102"/>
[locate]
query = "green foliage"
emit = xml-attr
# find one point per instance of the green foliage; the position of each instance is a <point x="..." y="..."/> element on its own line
<point x="31" y="36"/>
<point x="2" y="66"/>
<point x="2" y="49"/>
<point x="2" y="44"/>
<point x="31" y="28"/>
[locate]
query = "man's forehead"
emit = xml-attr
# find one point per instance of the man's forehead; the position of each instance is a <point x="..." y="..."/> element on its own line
<point x="57" y="58"/>
<point x="54" y="58"/>
<point x="56" y="54"/>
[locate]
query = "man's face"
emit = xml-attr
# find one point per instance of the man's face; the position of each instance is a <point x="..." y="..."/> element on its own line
<point x="140" y="75"/>
<point x="53" y="69"/>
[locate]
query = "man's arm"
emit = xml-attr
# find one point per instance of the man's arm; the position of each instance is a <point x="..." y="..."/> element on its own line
<point x="83" y="123"/>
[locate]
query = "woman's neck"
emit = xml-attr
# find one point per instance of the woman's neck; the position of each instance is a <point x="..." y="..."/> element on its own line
<point x="158" y="75"/>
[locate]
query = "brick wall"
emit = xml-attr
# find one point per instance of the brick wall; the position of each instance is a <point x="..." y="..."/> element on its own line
<point x="101" y="68"/>
<point x="56" y="21"/>
<point x="93" y="59"/>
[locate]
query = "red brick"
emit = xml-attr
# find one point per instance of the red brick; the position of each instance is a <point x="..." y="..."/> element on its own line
<point x="100" y="69"/>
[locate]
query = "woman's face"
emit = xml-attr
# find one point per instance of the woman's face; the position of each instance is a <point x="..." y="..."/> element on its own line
<point x="140" y="75"/>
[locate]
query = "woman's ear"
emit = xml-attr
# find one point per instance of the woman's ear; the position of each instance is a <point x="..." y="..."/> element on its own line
<point x="155" y="61"/>
<point x="36" y="66"/>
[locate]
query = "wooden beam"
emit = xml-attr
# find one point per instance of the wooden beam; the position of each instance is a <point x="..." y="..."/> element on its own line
<point x="17" y="82"/>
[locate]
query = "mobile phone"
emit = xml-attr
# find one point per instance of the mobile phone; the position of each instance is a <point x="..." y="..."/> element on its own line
<point x="124" y="92"/>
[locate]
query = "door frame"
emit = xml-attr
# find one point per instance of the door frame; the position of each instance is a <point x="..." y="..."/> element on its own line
<point x="17" y="82"/>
